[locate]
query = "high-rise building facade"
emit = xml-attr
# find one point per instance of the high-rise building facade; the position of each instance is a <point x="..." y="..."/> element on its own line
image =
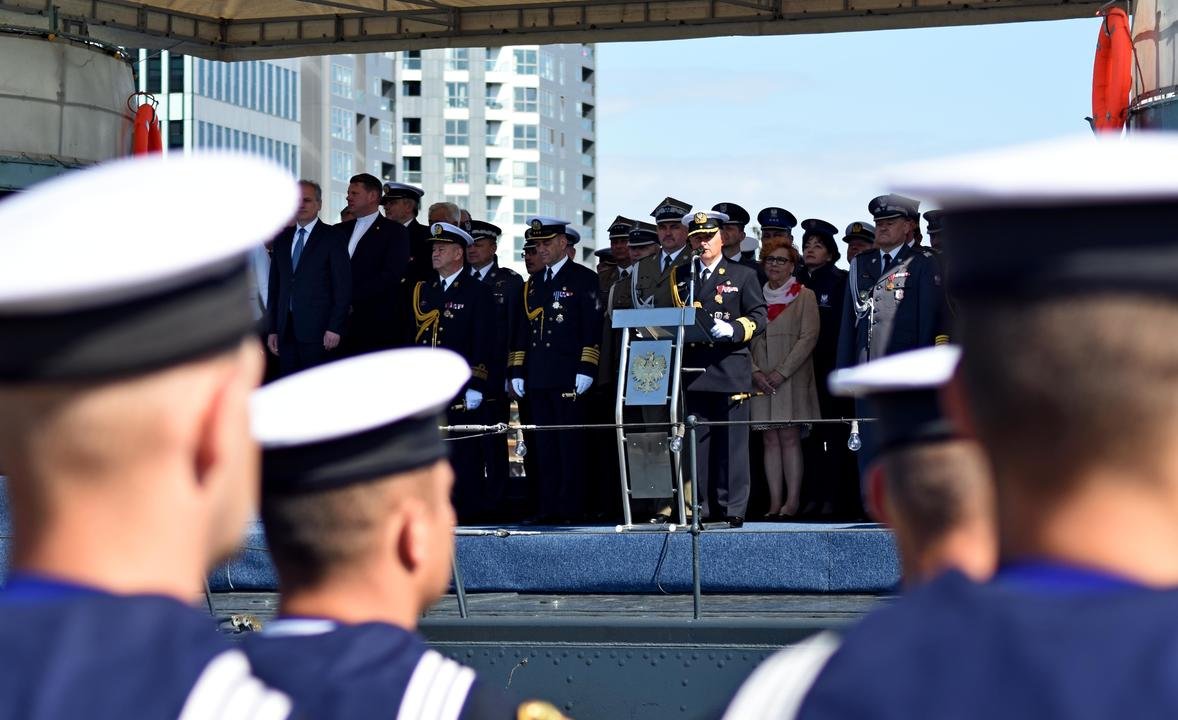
<point x="243" y="106"/>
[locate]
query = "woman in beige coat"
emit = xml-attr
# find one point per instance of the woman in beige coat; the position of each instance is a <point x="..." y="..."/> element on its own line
<point x="784" y="371"/>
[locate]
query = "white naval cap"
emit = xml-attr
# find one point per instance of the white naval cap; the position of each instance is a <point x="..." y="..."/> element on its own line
<point x="447" y="233"/>
<point x="133" y="284"/>
<point x="749" y="244"/>
<point x="922" y="369"/>
<point x="355" y="420"/>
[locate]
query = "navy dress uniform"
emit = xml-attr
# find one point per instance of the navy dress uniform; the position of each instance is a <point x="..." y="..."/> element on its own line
<point x="420" y="267"/>
<point x="738" y="218"/>
<point x="730" y="293"/>
<point x="385" y="431"/>
<point x="458" y="314"/>
<point x="558" y="343"/>
<point x="507" y="288"/>
<point x="135" y="304"/>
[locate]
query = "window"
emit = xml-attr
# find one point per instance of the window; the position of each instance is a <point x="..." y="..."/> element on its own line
<point x="457" y="95"/>
<point x="492" y="59"/>
<point x="411" y="60"/>
<point x="547" y="66"/>
<point x="343" y="124"/>
<point x="525" y="62"/>
<point x="341" y="81"/>
<point x="270" y="88"/>
<point x="411" y="169"/>
<point x="525" y="137"/>
<point x="457" y="132"/>
<point x="410" y="131"/>
<point x="411" y="88"/>
<point x="524" y="209"/>
<point x="525" y="99"/>
<point x="547" y="103"/>
<point x="493" y="203"/>
<point x="457" y="59"/>
<point x="253" y="83"/>
<point x="457" y="170"/>
<point x="548" y="178"/>
<point x="341" y="165"/>
<point x="525" y="174"/>
<point x="386" y="136"/>
<point x="492" y="94"/>
<point x="549" y="141"/>
<point x="493" y="127"/>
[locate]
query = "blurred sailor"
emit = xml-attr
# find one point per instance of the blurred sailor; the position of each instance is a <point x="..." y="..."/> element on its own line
<point x="553" y="361"/>
<point x="859" y="237"/>
<point x="359" y="524"/>
<point x="732" y="310"/>
<point x="124" y="384"/>
<point x="457" y="312"/>
<point x="733" y="236"/>
<point x="402" y="204"/>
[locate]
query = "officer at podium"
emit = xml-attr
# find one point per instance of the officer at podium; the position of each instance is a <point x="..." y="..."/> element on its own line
<point x="125" y="375"/>
<point x="359" y="524"/>
<point x="729" y="300"/>
<point x="553" y="362"/>
<point x="456" y="312"/>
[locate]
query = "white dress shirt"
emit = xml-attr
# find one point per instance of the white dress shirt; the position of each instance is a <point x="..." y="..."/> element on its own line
<point x="663" y="255"/>
<point x="362" y="225"/>
<point x="556" y="268"/>
<point x="481" y="273"/>
<point x="294" y="238"/>
<point x="449" y="279"/>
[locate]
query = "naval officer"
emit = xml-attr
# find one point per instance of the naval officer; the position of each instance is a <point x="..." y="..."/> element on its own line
<point x="358" y="521"/>
<point x="553" y="362"/>
<point x="456" y="312"/>
<point x="732" y="309"/>
<point x="125" y="376"/>
<point x="402" y="204"/>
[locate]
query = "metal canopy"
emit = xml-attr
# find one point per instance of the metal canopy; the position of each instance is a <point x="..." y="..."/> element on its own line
<point x="255" y="29"/>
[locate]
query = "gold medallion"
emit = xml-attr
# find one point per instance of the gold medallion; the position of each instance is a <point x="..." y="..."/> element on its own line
<point x="719" y="298"/>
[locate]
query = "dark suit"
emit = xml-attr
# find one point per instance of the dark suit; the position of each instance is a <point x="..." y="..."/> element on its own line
<point x="305" y="302"/>
<point x="378" y="264"/>
<point x="507" y="287"/>
<point x="420" y="252"/>
<point x="889" y="312"/>
<point x="460" y="318"/>
<point x="558" y="338"/>
<point x="733" y="294"/>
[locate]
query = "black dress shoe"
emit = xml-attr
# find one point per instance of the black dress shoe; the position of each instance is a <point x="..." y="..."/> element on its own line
<point x="660" y="520"/>
<point x="735" y="521"/>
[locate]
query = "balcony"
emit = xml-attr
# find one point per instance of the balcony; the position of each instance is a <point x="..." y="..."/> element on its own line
<point x="588" y="125"/>
<point x="410" y="138"/>
<point x="498" y="179"/>
<point x="410" y="63"/>
<point x="494" y="104"/>
<point x="586" y="160"/>
<point x="495" y="140"/>
<point x="458" y="102"/>
<point x="458" y="178"/>
<point x="411" y="176"/>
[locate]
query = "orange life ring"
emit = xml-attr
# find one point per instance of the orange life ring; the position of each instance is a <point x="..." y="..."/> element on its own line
<point x="1112" y="72"/>
<point x="155" y="143"/>
<point x="144" y="119"/>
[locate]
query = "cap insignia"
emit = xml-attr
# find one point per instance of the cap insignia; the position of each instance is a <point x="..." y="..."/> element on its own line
<point x="701" y="218"/>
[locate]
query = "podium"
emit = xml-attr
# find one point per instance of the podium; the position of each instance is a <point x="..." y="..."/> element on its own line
<point x="651" y="362"/>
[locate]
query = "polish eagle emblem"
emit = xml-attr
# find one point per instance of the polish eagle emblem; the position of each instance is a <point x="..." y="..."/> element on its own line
<point x="648" y="371"/>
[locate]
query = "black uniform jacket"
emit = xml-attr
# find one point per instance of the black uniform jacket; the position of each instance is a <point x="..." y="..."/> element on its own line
<point x="507" y="287"/>
<point x="732" y="294"/>
<point x="420" y="251"/>
<point x="559" y="333"/>
<point x="317" y="295"/>
<point x="378" y="269"/>
<point x="462" y="319"/>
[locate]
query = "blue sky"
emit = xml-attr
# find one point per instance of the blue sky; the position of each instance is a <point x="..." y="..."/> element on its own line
<point x="806" y="121"/>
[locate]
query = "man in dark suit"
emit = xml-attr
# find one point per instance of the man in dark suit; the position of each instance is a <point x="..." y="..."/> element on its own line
<point x="554" y="359"/>
<point x="895" y="297"/>
<point x="457" y="312"/>
<point x="309" y="290"/>
<point x="507" y="287"/>
<point x="379" y="249"/>
<point x="402" y="204"/>
<point x="731" y="306"/>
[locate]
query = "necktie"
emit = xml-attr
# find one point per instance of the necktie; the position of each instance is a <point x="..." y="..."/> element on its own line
<point x="298" y="248"/>
<point x="475" y="273"/>
<point x="704" y="274"/>
<point x="548" y="275"/>
<point x="666" y="262"/>
<point x="889" y="261"/>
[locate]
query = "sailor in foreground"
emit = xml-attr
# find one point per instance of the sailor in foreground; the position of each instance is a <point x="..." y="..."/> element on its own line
<point x="1068" y="374"/>
<point x="125" y="375"/>
<point x="356" y="505"/>
<point x="732" y="309"/>
<point x="928" y="483"/>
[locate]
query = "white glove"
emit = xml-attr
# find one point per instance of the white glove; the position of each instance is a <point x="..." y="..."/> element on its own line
<point x="517" y="384"/>
<point x="474" y="398"/>
<point x="584" y="382"/>
<point x="721" y="329"/>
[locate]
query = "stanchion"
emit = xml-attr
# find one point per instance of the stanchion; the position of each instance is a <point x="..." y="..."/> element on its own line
<point x="695" y="520"/>
<point x="459" y="590"/>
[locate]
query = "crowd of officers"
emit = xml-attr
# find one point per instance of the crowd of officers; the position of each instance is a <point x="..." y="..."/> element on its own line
<point x="381" y="279"/>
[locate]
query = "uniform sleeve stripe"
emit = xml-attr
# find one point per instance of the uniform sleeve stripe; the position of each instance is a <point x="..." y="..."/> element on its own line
<point x="437" y="690"/>
<point x="226" y="689"/>
<point x="777" y="688"/>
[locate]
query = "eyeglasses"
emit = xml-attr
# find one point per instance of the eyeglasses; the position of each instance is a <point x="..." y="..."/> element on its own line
<point x="775" y="260"/>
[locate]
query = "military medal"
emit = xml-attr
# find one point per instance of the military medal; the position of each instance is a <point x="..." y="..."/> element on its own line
<point x="891" y="282"/>
<point x="719" y="298"/>
<point x="559" y="318"/>
<point x="899" y="295"/>
<point x="721" y="271"/>
<point x="448" y="314"/>
<point x="556" y="305"/>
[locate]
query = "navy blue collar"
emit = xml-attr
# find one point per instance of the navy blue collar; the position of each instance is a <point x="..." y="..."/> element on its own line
<point x="29" y="586"/>
<point x="1050" y="577"/>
